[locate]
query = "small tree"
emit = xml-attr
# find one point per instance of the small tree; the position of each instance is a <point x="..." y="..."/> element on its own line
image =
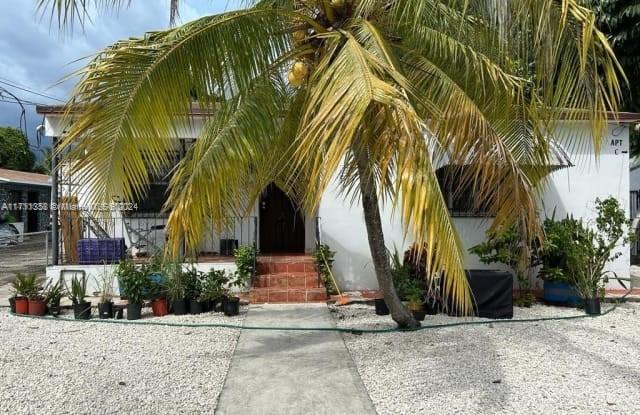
<point x="14" y="150"/>
<point x="594" y="247"/>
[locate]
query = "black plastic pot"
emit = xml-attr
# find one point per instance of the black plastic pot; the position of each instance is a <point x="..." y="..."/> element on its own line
<point x="12" y="304"/>
<point x="205" y="306"/>
<point x="418" y="314"/>
<point x="431" y="308"/>
<point x="592" y="306"/>
<point x="54" y="308"/>
<point x="105" y="310"/>
<point x="134" y="311"/>
<point x="179" y="307"/>
<point x="231" y="306"/>
<point x="82" y="311"/>
<point x="195" y="307"/>
<point x="217" y="305"/>
<point x="381" y="307"/>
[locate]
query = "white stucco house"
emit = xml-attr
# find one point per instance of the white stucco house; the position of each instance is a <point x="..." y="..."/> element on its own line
<point x="275" y="226"/>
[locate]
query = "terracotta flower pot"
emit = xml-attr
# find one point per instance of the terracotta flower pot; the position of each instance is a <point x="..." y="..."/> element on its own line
<point x="159" y="307"/>
<point x="22" y="306"/>
<point x="37" y="307"/>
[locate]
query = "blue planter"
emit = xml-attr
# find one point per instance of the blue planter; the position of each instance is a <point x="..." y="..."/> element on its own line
<point x="560" y="293"/>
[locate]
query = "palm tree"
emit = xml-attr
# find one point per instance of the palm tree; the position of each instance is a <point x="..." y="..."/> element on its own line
<point x="375" y="94"/>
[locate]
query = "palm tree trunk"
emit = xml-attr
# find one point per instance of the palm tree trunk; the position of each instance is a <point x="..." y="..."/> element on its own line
<point x="371" y="209"/>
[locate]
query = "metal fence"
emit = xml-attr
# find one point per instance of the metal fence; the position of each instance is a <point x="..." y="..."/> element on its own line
<point x="145" y="234"/>
<point x="23" y="252"/>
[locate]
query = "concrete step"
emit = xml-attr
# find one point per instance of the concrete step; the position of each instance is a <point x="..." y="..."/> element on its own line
<point x="289" y="280"/>
<point x="291" y="295"/>
<point x="285" y="264"/>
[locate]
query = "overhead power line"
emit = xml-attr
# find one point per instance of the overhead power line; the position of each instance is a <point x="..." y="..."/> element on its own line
<point x="28" y="90"/>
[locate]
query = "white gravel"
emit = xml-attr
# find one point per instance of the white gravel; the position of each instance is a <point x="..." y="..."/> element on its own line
<point x="64" y="367"/>
<point x="583" y="366"/>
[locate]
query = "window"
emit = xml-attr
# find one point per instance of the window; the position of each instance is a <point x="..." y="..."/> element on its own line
<point x="459" y="196"/>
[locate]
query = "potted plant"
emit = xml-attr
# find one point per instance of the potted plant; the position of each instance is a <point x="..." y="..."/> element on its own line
<point x="22" y="286"/>
<point x="38" y="299"/>
<point x="245" y="259"/>
<point x="593" y="247"/>
<point x="54" y="294"/>
<point x="158" y="294"/>
<point x="552" y="255"/>
<point x="134" y="285"/>
<point x="415" y="304"/>
<point x="231" y="302"/>
<point x="213" y="287"/>
<point x="105" y="286"/>
<point x="193" y="289"/>
<point x="77" y="294"/>
<point x="175" y="288"/>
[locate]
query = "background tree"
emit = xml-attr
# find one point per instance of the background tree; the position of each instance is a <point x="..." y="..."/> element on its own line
<point x="14" y="150"/>
<point x="377" y="95"/>
<point x="620" y="20"/>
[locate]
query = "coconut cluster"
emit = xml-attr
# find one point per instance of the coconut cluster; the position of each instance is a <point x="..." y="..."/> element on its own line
<point x="301" y="68"/>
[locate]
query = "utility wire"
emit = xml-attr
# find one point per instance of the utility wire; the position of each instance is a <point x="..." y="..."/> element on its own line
<point x="31" y="91"/>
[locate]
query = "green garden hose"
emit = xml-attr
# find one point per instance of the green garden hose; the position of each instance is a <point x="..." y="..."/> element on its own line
<point x="336" y="329"/>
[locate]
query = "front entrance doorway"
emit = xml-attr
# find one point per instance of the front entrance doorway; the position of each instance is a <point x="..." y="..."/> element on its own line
<point x="281" y="223"/>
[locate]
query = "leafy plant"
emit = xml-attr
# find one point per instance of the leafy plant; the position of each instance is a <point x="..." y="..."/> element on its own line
<point x="594" y="247"/>
<point x="213" y="284"/>
<point x="415" y="298"/>
<point x="192" y="283"/>
<point x="134" y="283"/>
<point x="557" y="248"/>
<point x="245" y="258"/>
<point x="26" y="285"/>
<point x="175" y="286"/>
<point x="54" y="293"/>
<point x="401" y="273"/>
<point x="506" y="246"/>
<point x="105" y="283"/>
<point x="78" y="291"/>
<point x="324" y="257"/>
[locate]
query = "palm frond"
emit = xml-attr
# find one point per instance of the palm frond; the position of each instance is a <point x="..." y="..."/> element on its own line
<point x="69" y="12"/>
<point x="136" y="95"/>
<point x="230" y="163"/>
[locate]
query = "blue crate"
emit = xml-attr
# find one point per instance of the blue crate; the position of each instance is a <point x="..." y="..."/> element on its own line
<point x="100" y="251"/>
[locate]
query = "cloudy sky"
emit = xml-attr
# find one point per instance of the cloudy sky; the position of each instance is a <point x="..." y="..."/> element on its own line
<point x="34" y="56"/>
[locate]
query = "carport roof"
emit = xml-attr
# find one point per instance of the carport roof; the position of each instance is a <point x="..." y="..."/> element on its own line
<point x="21" y="177"/>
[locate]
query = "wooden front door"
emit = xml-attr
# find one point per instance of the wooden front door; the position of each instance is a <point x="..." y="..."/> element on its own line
<point x="281" y="223"/>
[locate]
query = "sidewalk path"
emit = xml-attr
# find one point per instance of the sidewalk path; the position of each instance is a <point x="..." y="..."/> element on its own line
<point x="292" y="372"/>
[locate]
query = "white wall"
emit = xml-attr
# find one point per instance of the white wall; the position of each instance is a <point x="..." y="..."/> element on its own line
<point x="570" y="191"/>
<point x="93" y="273"/>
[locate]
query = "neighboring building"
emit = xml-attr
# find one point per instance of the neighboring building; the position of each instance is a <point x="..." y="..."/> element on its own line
<point x="26" y="197"/>
<point x="275" y="226"/>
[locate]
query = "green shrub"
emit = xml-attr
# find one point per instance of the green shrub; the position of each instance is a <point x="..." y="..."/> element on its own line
<point x="593" y="248"/>
<point x="213" y="284"/>
<point x="324" y="257"/>
<point x="245" y="258"/>
<point x="133" y="281"/>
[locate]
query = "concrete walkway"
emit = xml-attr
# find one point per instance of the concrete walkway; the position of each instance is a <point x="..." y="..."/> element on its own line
<point x="292" y="372"/>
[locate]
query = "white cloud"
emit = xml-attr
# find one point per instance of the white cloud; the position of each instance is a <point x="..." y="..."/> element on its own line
<point x="34" y="54"/>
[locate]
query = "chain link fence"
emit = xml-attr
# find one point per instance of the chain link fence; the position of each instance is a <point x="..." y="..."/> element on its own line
<point x="26" y="253"/>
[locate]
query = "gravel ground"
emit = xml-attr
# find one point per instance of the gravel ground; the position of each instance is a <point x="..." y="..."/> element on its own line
<point x="583" y="366"/>
<point x="65" y="367"/>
